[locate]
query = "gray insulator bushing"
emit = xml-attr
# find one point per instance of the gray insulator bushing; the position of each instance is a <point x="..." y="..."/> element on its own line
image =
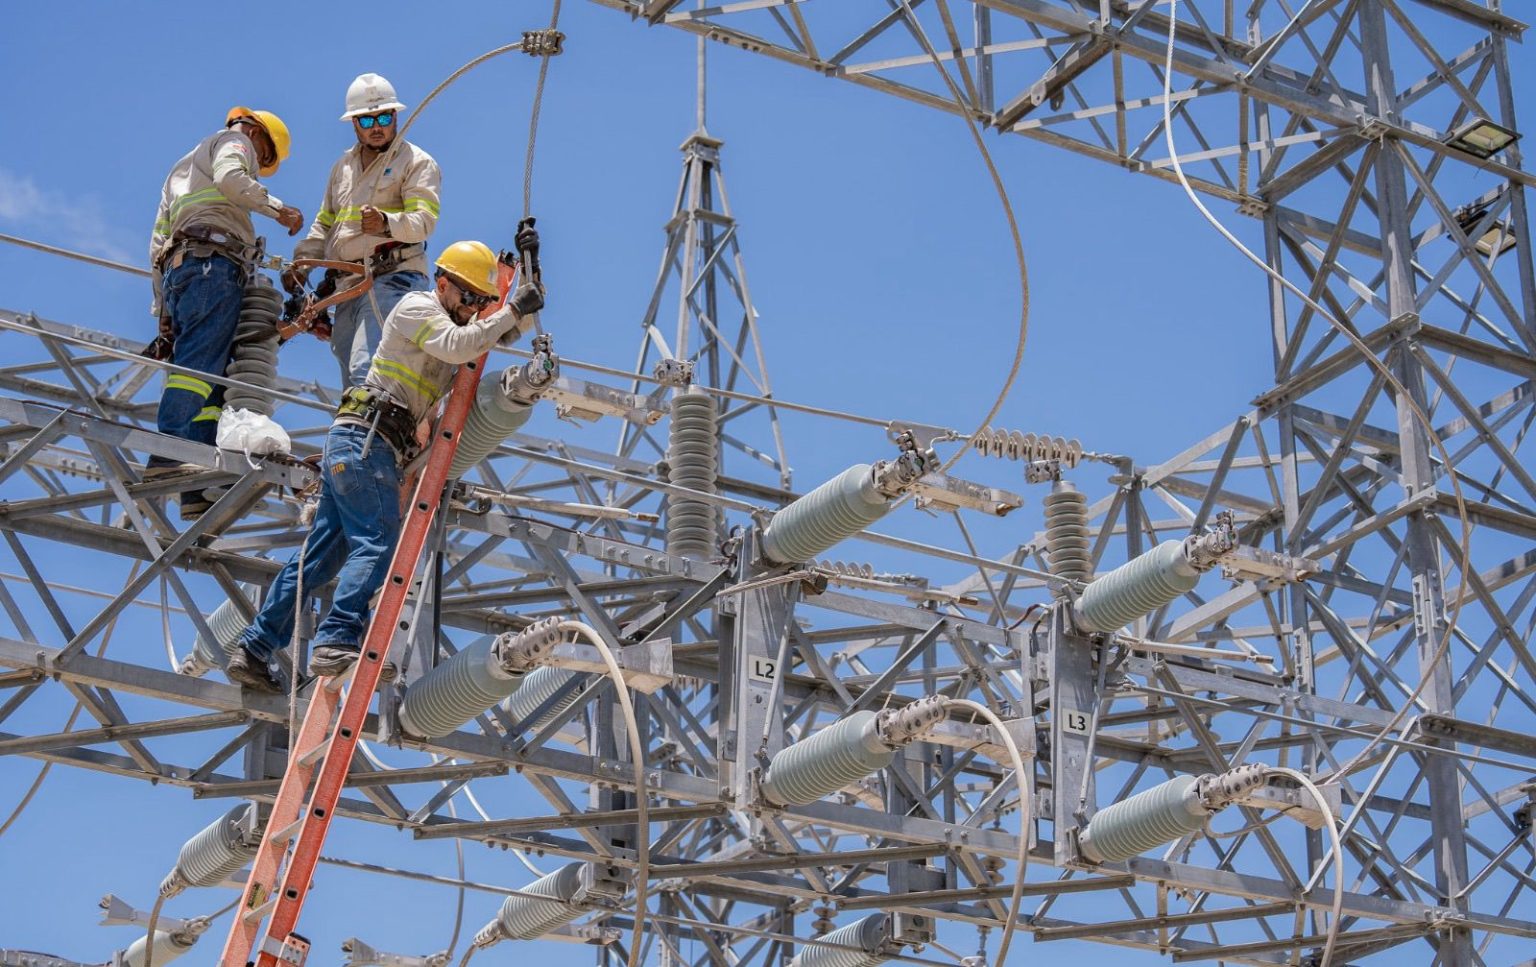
<point x="869" y="935"/>
<point x="1138" y="587"/>
<point x="457" y="690"/>
<point x="832" y="758"/>
<point x="1066" y="533"/>
<point x="1145" y="821"/>
<point x="537" y="688"/>
<point x="168" y="947"/>
<point x="693" y="458"/>
<point x="836" y="510"/>
<point x="494" y="417"/>
<point x="214" y="854"/>
<point x="254" y="359"/>
<point x="525" y="918"/>
<point x="227" y="623"/>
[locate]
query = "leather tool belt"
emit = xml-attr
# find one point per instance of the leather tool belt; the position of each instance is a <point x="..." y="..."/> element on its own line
<point x="200" y="241"/>
<point x="388" y="419"/>
<point x="388" y="256"/>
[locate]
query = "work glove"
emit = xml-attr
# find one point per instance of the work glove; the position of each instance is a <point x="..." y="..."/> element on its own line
<point x="161" y="347"/>
<point x="528" y="299"/>
<point x="294" y="280"/>
<point x="527" y="238"/>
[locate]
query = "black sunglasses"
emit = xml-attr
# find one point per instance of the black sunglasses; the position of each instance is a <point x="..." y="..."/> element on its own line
<point x="469" y="297"/>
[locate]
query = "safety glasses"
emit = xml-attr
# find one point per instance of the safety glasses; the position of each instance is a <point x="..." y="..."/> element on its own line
<point x="384" y="120"/>
<point x="470" y="297"/>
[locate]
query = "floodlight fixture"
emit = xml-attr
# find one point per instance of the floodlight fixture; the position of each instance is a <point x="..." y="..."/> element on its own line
<point x="1496" y="239"/>
<point x="1482" y="138"/>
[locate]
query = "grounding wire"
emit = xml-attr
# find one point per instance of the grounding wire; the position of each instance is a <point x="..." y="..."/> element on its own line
<point x="69" y="723"/>
<point x="1338" y="858"/>
<point x="1026" y="817"/>
<point x="1404" y="398"/>
<point x="642" y="794"/>
<point x="533" y="115"/>
<point x="965" y="112"/>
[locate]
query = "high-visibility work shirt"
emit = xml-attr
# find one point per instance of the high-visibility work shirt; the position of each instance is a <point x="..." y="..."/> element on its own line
<point x="407" y="192"/>
<point x="422" y="348"/>
<point x="213" y="186"/>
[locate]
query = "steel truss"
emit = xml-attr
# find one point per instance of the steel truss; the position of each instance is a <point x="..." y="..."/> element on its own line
<point x="1328" y="123"/>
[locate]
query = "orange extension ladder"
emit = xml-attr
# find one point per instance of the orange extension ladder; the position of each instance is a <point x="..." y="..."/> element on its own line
<point x="320" y="755"/>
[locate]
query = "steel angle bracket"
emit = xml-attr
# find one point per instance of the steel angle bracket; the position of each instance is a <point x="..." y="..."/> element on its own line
<point x="646" y="667"/>
<point x="940" y="491"/>
<point x="1257" y="564"/>
<point x="578" y="399"/>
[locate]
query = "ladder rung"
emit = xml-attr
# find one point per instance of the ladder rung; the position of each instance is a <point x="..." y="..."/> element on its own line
<point x="287" y="833"/>
<point x="258" y="914"/>
<point x="314" y="755"/>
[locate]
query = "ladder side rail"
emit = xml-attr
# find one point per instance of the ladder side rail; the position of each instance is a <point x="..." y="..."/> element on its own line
<point x="414" y="534"/>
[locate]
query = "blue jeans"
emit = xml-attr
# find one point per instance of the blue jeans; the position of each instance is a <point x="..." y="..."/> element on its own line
<point x="356" y="329"/>
<point x="353" y="540"/>
<point x="202" y="297"/>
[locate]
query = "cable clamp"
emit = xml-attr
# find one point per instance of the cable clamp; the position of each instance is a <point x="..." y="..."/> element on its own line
<point x="543" y="43"/>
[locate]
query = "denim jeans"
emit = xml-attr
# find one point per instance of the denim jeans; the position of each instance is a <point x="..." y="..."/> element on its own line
<point x="356" y="329"/>
<point x="202" y="297"/>
<point x="353" y="539"/>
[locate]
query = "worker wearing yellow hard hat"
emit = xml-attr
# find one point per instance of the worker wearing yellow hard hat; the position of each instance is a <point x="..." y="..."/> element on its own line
<point x="202" y="252"/>
<point x="378" y="210"/>
<point x="375" y="435"/>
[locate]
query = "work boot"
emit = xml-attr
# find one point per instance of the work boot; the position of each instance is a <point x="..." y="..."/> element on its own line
<point x="328" y="660"/>
<point x="193" y="504"/>
<point x="248" y="671"/>
<point x="336" y="659"/>
<point x="162" y="471"/>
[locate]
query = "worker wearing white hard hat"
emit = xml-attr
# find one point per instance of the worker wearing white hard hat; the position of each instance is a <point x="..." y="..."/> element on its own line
<point x="380" y="207"/>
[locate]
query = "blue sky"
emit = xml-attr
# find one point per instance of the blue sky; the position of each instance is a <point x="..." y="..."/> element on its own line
<point x="876" y="252"/>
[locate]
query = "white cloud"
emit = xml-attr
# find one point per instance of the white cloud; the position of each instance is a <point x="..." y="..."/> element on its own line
<point x="77" y="223"/>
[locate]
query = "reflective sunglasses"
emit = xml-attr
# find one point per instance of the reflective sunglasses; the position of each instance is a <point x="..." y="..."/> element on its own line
<point x="382" y="120"/>
<point x="470" y="297"/>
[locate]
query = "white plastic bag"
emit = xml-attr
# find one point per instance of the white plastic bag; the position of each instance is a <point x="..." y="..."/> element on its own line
<point x="251" y="433"/>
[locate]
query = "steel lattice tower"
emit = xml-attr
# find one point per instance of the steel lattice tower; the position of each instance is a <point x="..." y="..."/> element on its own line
<point x="1385" y="579"/>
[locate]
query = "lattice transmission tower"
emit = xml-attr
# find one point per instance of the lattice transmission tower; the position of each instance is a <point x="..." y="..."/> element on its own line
<point x="1350" y="558"/>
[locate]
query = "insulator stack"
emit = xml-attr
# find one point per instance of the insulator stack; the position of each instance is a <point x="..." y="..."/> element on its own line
<point x="457" y="690"/>
<point x="836" y="510"/>
<point x="1066" y="533"/>
<point x="868" y="937"/>
<point x="168" y="946"/>
<point x="495" y="416"/>
<point x="226" y="623"/>
<point x="693" y="460"/>
<point x="1137" y="587"/>
<point x="832" y="758"/>
<point x="1145" y="821"/>
<point x="538" y="687"/>
<point x="1013" y="445"/>
<point x="255" y="352"/>
<point x="220" y="850"/>
<point x="527" y="918"/>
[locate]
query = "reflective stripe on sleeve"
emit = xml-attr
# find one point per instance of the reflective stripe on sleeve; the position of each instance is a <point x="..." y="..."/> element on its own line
<point x="208" y="414"/>
<point x="421" y="205"/>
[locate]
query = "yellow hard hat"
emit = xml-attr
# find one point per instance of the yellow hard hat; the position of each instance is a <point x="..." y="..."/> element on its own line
<point x="275" y="128"/>
<point x="472" y="263"/>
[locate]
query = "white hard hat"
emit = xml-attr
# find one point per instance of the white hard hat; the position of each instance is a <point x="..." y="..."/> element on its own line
<point x="370" y="94"/>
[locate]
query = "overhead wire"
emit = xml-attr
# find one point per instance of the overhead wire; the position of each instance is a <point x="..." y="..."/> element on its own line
<point x="966" y="113"/>
<point x="1404" y="398"/>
